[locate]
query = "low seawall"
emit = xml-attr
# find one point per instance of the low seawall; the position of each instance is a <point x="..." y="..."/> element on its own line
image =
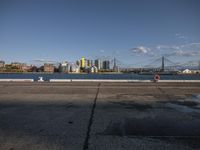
<point x="96" y="80"/>
<point x="118" y="81"/>
<point x="16" y="80"/>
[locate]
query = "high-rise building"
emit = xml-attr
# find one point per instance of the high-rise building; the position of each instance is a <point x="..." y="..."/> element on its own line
<point x="86" y="63"/>
<point x="64" y="67"/>
<point x="106" y="64"/>
<point x="82" y="62"/>
<point x="89" y="63"/>
<point x="92" y="62"/>
<point x="98" y="64"/>
<point x="78" y="63"/>
<point x="74" y="68"/>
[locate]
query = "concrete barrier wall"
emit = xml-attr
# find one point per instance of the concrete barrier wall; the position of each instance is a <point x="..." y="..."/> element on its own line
<point x="106" y="80"/>
<point x="60" y="80"/>
<point x="178" y="81"/>
<point x="117" y="81"/>
<point x="97" y="80"/>
<point x="16" y="80"/>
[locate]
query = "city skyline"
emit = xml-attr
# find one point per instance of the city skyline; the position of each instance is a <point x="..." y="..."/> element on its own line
<point x="132" y="31"/>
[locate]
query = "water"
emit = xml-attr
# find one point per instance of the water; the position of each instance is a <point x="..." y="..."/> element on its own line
<point x="46" y="77"/>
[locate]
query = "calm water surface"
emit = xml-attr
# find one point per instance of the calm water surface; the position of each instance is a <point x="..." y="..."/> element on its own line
<point x="46" y="77"/>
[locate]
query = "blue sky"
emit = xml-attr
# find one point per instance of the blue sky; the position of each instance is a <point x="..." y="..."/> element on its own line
<point x="131" y="30"/>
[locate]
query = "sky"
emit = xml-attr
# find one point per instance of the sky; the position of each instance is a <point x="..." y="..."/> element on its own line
<point x="133" y="31"/>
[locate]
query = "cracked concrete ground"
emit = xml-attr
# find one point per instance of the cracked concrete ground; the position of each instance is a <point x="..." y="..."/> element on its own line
<point x="58" y="116"/>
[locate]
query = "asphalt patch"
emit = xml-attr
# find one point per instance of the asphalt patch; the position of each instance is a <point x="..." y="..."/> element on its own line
<point x="192" y="104"/>
<point x="168" y="129"/>
<point x="157" y="126"/>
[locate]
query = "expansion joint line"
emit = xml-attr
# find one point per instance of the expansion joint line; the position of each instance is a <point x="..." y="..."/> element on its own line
<point x="86" y="142"/>
<point x="160" y="89"/>
<point x="163" y="92"/>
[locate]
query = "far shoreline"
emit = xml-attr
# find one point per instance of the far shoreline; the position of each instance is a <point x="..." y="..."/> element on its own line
<point x="99" y="73"/>
<point x="62" y="73"/>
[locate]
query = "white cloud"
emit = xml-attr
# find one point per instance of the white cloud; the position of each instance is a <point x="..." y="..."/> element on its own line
<point x="183" y="53"/>
<point x="180" y="36"/>
<point x="167" y="47"/>
<point x="193" y="45"/>
<point x="102" y="51"/>
<point x="43" y="61"/>
<point x="141" y="50"/>
<point x="187" y="53"/>
<point x="185" y="50"/>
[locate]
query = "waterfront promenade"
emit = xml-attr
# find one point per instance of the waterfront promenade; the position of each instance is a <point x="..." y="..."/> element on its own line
<point x="99" y="116"/>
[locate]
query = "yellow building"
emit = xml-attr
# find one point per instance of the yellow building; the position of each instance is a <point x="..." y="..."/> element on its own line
<point x="82" y="62"/>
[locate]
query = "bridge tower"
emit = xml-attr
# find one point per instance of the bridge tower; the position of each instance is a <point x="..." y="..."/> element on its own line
<point x="199" y="65"/>
<point x="115" y="65"/>
<point x="163" y="64"/>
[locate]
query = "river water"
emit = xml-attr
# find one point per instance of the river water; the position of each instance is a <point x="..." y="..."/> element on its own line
<point x="46" y="77"/>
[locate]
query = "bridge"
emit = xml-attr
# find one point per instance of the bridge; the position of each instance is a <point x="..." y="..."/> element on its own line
<point x="160" y="64"/>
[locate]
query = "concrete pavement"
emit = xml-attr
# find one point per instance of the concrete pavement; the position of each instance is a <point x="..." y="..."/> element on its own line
<point x="73" y="116"/>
